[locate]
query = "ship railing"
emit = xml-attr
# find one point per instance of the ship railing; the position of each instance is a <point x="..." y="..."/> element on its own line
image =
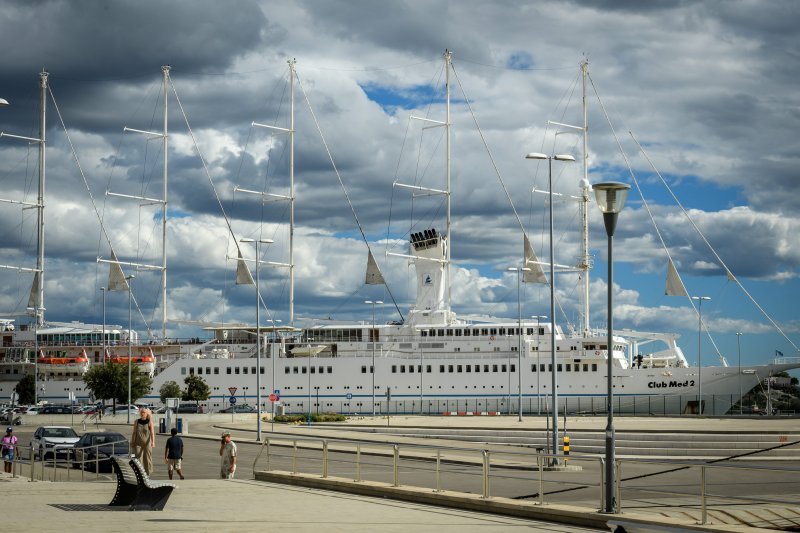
<point x="535" y="476"/>
<point x="786" y="361"/>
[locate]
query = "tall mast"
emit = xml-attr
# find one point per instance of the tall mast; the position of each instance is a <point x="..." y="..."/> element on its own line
<point x="291" y="194"/>
<point x="165" y="71"/>
<point x="448" y="56"/>
<point x="585" y="262"/>
<point x="40" y="201"/>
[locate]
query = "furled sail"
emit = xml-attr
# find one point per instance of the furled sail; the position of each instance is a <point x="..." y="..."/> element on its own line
<point x="374" y="276"/>
<point x="33" y="299"/>
<point x="534" y="274"/>
<point x="116" y="278"/>
<point x="675" y="285"/>
<point x="243" y="276"/>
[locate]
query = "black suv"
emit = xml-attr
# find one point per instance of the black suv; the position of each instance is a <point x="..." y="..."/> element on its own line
<point x="187" y="408"/>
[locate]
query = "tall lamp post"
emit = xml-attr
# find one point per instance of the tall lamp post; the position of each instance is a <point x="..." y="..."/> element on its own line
<point x="553" y="372"/>
<point x="700" y="300"/>
<point x="258" y="341"/>
<point x="611" y="198"/>
<point x="373" y="337"/>
<point x="538" y="367"/>
<point x="129" y="279"/>
<point x="739" y="349"/>
<point x="519" y="272"/>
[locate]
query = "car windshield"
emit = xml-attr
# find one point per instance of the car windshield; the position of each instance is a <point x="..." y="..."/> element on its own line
<point x="59" y="433"/>
<point x="108" y="439"/>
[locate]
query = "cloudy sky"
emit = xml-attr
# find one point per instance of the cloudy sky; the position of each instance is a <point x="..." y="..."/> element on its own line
<point x="707" y="88"/>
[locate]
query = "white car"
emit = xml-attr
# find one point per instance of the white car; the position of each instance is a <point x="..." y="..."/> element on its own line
<point x="121" y="410"/>
<point x="32" y="410"/>
<point x="53" y="440"/>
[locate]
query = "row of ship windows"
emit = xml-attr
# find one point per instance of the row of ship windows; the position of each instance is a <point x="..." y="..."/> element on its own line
<point x="402" y="369"/>
<point x="560" y="367"/>
<point x="253" y="370"/>
<point x="476" y="332"/>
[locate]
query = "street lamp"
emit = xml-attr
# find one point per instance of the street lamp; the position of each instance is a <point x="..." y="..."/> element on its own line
<point x="700" y="300"/>
<point x="610" y="198"/>
<point x="538" y="367"/>
<point x="554" y="380"/>
<point x="129" y="279"/>
<point x="3" y="102"/>
<point x="258" y="342"/>
<point x="739" y="349"/>
<point x="373" y="337"/>
<point x="519" y="341"/>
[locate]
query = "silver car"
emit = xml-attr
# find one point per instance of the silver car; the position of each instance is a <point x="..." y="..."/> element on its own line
<point x="50" y="441"/>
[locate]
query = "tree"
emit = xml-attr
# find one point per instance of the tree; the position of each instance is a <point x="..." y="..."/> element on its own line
<point x="25" y="390"/>
<point x="196" y="389"/>
<point x="110" y="381"/>
<point x="170" y="389"/>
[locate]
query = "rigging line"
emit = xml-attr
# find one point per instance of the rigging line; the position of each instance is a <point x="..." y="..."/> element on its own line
<point x="214" y="188"/>
<point x="633" y="177"/>
<point x="394" y="179"/>
<point x="344" y="189"/>
<point x="91" y="197"/>
<point x="713" y="251"/>
<point x="489" y="152"/>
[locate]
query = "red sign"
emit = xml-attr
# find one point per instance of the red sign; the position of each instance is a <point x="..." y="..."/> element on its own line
<point x="232" y="390"/>
<point x="273" y="397"/>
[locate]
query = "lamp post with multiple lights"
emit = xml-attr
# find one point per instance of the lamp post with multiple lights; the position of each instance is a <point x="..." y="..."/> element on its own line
<point x="519" y="272"/>
<point x="700" y="300"/>
<point x="373" y="338"/>
<point x="553" y="373"/>
<point x="129" y="279"/>
<point x="610" y="198"/>
<point x="258" y="339"/>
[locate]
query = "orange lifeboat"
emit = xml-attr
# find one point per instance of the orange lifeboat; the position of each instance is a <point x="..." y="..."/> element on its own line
<point x="62" y="363"/>
<point x="143" y="358"/>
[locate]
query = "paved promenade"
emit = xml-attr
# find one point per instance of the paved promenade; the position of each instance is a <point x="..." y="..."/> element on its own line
<point x="282" y="501"/>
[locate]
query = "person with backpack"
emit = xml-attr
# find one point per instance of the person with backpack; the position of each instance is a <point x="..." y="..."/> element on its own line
<point x="9" y="443"/>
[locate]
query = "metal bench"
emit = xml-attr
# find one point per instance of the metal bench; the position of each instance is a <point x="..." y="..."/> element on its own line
<point x="135" y="489"/>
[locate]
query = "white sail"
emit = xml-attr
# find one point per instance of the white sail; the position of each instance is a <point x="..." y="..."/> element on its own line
<point x="116" y="278"/>
<point x="374" y="276"/>
<point x="33" y="299"/>
<point x="675" y="285"/>
<point x="534" y="274"/>
<point x="243" y="276"/>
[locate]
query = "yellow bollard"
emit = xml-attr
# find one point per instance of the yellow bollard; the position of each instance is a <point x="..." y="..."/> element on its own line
<point x="566" y="448"/>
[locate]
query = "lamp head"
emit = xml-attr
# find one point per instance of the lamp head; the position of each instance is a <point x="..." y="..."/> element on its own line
<point x="611" y="196"/>
<point x="536" y="155"/>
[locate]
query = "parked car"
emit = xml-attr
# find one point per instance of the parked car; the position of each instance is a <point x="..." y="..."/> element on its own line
<point x="56" y="410"/>
<point x="33" y="410"/>
<point x="243" y="408"/>
<point x="93" y="450"/>
<point x="49" y="440"/>
<point x="121" y="410"/>
<point x="188" y="408"/>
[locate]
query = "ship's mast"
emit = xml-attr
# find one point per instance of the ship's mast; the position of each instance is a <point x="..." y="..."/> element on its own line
<point x="291" y="193"/>
<point x="448" y="57"/>
<point x="585" y="262"/>
<point x="39" y="311"/>
<point x="165" y="71"/>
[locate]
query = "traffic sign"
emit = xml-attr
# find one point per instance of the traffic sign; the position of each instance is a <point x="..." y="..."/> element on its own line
<point x="232" y="400"/>
<point x="277" y="391"/>
<point x="232" y="390"/>
<point x="274" y="397"/>
<point x="349" y="396"/>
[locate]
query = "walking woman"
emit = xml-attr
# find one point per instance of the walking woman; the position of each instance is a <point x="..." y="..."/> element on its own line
<point x="144" y="439"/>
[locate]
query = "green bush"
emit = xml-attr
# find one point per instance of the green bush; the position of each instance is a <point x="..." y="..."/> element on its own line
<point x="315" y="417"/>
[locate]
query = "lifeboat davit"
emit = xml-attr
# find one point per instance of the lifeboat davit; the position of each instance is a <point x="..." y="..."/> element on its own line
<point x="63" y="363"/>
<point x="143" y="358"/>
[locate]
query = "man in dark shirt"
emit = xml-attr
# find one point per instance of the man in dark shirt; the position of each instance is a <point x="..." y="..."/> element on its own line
<point x="173" y="453"/>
